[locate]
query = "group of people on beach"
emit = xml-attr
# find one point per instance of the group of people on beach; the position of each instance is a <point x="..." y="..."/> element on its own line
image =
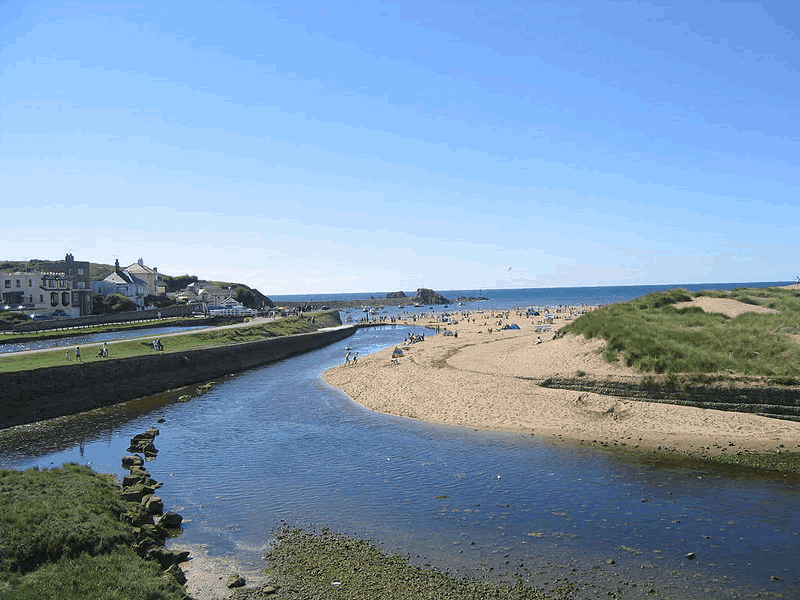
<point x="413" y="339"/>
<point x="350" y="359"/>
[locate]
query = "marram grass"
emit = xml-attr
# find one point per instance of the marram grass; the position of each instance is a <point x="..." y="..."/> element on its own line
<point x="653" y="336"/>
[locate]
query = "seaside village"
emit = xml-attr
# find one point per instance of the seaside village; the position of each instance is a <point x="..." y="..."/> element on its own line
<point x="64" y="289"/>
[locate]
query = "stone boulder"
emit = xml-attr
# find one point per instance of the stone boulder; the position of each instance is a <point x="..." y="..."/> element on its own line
<point x="143" y="443"/>
<point x="131" y="461"/>
<point x="170" y="520"/>
<point x="427" y="296"/>
<point x="153" y="504"/>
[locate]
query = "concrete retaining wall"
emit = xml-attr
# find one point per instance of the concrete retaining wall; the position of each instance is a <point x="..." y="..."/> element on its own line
<point x="39" y="394"/>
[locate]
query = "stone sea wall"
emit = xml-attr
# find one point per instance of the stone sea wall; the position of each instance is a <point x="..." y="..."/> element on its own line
<point x="38" y="394"/>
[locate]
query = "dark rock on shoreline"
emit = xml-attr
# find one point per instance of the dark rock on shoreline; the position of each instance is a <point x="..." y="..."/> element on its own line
<point x="427" y="296"/>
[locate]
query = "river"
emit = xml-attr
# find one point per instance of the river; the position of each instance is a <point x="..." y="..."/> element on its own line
<point x="278" y="445"/>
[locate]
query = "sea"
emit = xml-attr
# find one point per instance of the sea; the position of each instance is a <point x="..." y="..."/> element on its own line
<point x="503" y="299"/>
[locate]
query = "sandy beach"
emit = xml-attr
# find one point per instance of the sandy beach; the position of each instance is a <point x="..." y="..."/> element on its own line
<point x="475" y="379"/>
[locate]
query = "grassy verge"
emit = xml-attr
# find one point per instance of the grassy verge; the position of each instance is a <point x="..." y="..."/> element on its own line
<point x="193" y="340"/>
<point x="61" y="538"/>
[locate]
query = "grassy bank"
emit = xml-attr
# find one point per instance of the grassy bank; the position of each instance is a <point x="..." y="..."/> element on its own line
<point x="747" y="363"/>
<point x="61" y="538"/>
<point x="654" y="336"/>
<point x="193" y="340"/>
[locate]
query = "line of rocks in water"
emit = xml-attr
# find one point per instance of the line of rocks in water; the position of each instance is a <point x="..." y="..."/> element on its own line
<point x="151" y="525"/>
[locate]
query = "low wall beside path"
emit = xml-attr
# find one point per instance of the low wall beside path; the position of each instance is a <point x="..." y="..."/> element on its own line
<point x="149" y="314"/>
<point x="39" y="394"/>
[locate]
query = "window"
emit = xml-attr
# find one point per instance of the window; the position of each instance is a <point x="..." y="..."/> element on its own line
<point x="65" y="298"/>
<point x="30" y="282"/>
<point x="19" y="283"/>
<point x="7" y="283"/>
<point x="53" y="298"/>
<point x="80" y="271"/>
<point x="41" y="297"/>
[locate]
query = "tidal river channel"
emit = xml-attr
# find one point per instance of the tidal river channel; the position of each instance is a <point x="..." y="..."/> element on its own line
<point x="278" y="445"/>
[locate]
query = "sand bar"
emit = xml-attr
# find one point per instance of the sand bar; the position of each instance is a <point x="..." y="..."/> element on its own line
<point x="474" y="379"/>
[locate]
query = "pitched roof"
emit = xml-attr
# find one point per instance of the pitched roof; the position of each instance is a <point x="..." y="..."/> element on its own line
<point x="119" y="276"/>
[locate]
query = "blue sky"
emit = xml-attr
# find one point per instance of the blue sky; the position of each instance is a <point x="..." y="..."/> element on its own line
<point x="380" y="146"/>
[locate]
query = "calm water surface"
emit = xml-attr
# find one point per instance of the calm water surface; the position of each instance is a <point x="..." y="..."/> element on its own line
<point x="92" y="338"/>
<point x="277" y="444"/>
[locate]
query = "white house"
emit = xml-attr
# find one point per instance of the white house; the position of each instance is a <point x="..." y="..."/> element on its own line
<point x="203" y="293"/>
<point x="155" y="287"/>
<point x="231" y="308"/>
<point x="122" y="283"/>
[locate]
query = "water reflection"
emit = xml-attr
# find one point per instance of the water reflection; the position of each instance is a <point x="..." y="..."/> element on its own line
<point x="91" y="338"/>
<point x="278" y="444"/>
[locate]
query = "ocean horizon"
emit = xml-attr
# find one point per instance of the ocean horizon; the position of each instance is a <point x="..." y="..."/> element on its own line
<point x="501" y="298"/>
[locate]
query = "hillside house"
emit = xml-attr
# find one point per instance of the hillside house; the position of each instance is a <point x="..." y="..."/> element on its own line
<point x="154" y="285"/>
<point x="123" y="283"/>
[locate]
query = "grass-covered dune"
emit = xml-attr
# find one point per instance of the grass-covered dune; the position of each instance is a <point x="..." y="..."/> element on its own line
<point x="659" y="334"/>
<point x="741" y="352"/>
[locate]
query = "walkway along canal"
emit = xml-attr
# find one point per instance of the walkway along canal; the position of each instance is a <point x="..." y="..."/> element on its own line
<point x="34" y="395"/>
